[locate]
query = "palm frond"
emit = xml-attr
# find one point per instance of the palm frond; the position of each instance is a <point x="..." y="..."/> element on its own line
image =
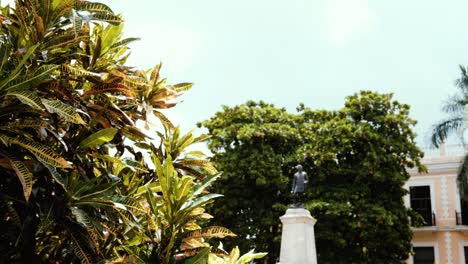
<point x="456" y="104"/>
<point x="441" y="130"/>
<point x="462" y="82"/>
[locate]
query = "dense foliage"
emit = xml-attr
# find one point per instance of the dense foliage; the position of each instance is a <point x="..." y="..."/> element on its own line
<point x="80" y="181"/>
<point x="356" y="159"/>
<point x="252" y="143"/>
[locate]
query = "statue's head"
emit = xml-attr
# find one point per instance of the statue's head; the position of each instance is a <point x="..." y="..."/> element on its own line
<point x="299" y="167"/>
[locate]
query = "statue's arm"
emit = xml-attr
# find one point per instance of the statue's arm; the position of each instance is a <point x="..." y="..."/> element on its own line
<point x="306" y="178"/>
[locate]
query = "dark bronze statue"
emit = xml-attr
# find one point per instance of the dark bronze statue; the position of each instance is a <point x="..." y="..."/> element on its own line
<point x="299" y="184"/>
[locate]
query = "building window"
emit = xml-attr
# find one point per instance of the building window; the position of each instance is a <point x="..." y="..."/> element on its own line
<point x="424" y="255"/>
<point x="466" y="254"/>
<point x="420" y="201"/>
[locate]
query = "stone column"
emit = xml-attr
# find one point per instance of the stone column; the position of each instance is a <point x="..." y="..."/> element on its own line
<point x="298" y="239"/>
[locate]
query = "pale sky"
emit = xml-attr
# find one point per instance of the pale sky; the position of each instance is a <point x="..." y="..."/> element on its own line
<point x="311" y="51"/>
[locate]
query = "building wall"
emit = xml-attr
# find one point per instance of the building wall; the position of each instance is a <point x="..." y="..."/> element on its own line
<point x="447" y="238"/>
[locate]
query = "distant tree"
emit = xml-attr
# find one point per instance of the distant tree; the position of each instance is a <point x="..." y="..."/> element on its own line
<point x="356" y="159"/>
<point x="252" y="144"/>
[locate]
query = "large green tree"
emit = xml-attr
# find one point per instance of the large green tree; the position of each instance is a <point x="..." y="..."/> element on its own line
<point x="356" y="158"/>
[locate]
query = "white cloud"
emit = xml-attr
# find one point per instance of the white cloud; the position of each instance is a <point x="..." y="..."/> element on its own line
<point x="348" y="19"/>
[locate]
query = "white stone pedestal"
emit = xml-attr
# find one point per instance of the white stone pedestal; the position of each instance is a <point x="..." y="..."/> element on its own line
<point x="298" y="239"/>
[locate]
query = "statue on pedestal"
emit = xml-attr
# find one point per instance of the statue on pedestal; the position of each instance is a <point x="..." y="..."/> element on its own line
<point x="300" y="181"/>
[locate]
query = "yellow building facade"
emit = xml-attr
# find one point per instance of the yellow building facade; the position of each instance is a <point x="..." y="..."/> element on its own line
<point x="444" y="237"/>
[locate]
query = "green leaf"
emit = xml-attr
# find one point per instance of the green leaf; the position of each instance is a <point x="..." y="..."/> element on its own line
<point x="135" y="165"/>
<point x="134" y="133"/>
<point x="25" y="123"/>
<point x="183" y="187"/>
<point x="56" y="175"/>
<point x="16" y="72"/>
<point x="200" y="201"/>
<point x="124" y="42"/>
<point x="24" y="176"/>
<point x="210" y="232"/>
<point x="94" y="7"/>
<point x="43" y="153"/>
<point x="27" y="97"/>
<point x="78" y="71"/>
<point x="182" y="87"/>
<point x="246" y="258"/>
<point x="199" y="188"/>
<point x="41" y="74"/>
<point x="99" y="138"/>
<point x="200" y="258"/>
<point x="107" y="17"/>
<point x="152" y="187"/>
<point x="164" y="120"/>
<point x="80" y="245"/>
<point x="77" y="24"/>
<point x="64" y="110"/>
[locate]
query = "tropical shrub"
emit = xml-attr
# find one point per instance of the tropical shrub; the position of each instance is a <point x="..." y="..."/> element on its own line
<point x="81" y="181"/>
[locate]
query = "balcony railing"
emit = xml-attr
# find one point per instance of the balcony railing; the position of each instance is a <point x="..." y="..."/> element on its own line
<point x="429" y="220"/>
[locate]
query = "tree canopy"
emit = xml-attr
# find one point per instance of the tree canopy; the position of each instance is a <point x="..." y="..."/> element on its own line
<point x="356" y="159"/>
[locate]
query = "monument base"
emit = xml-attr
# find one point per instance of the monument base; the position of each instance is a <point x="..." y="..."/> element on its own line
<point x="298" y="239"/>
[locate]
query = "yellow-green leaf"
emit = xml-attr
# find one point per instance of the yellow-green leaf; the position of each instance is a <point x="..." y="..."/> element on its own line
<point x="41" y="74"/>
<point x="182" y="87"/>
<point x="212" y="231"/>
<point x="27" y="97"/>
<point x="24" y="176"/>
<point x="43" y="153"/>
<point x="64" y="110"/>
<point x="183" y="187"/>
<point x="99" y="138"/>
